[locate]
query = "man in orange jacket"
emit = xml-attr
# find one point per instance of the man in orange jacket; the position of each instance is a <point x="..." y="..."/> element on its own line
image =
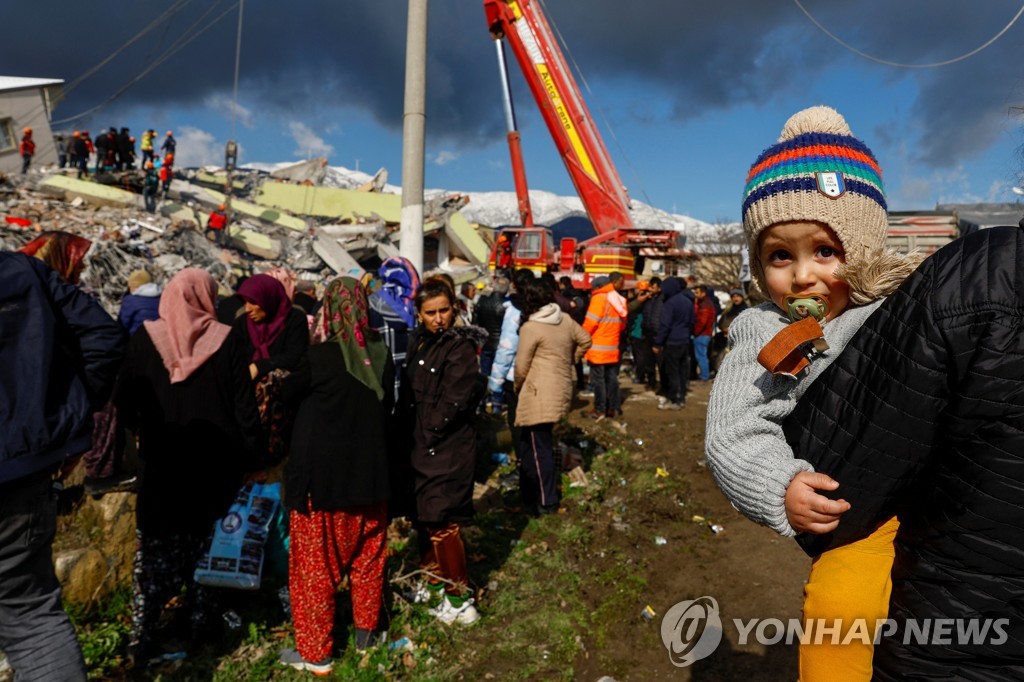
<point x="605" y="322"/>
<point x="27" y="149"/>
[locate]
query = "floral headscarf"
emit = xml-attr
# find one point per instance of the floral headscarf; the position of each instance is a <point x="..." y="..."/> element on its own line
<point x="343" y="319"/>
<point x="399" y="284"/>
<point x="62" y="251"/>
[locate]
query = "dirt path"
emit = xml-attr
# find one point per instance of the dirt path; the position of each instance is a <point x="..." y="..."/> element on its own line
<point x="748" y="569"/>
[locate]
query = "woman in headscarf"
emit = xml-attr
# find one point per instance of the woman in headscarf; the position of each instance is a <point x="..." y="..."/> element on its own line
<point x="185" y="388"/>
<point x="275" y="336"/>
<point x="444" y="387"/>
<point x="392" y="309"/>
<point x="336" y="478"/>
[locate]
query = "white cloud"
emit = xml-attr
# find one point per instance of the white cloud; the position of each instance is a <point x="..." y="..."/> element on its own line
<point x="222" y="104"/>
<point x="445" y="157"/>
<point x="307" y="142"/>
<point x="198" y="148"/>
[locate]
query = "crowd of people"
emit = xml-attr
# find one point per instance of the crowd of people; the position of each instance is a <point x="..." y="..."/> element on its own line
<point x="111" y="150"/>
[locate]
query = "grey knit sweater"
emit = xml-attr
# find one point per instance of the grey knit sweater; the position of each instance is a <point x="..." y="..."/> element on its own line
<point x="744" y="444"/>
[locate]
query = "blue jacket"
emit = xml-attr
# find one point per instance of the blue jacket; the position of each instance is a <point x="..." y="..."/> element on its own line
<point x="61" y="354"/>
<point x="505" y="357"/>
<point x="140" y="306"/>
<point x="677" y="315"/>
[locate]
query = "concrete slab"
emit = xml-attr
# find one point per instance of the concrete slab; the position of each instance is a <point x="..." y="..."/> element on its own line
<point x="330" y="202"/>
<point x="92" y="193"/>
<point x="312" y="171"/>
<point x="268" y="215"/>
<point x="248" y="240"/>
<point x="215" y="181"/>
<point x="336" y="257"/>
<point x="465" y="238"/>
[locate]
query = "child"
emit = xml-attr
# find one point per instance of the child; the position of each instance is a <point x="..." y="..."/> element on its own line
<point x="815" y="221"/>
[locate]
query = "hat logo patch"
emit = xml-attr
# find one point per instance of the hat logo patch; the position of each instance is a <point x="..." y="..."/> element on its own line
<point x="831" y="184"/>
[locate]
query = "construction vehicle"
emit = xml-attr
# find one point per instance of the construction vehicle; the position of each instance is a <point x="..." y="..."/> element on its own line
<point x="620" y="245"/>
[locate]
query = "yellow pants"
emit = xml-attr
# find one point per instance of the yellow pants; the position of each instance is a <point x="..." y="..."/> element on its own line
<point x="846" y="584"/>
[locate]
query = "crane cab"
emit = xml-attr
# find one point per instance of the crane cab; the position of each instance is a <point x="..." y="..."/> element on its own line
<point x="532" y="248"/>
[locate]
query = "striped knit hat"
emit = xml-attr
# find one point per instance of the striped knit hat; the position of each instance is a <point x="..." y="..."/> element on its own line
<point x="818" y="171"/>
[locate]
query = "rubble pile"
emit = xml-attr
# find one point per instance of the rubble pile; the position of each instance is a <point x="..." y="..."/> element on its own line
<point x="282" y="218"/>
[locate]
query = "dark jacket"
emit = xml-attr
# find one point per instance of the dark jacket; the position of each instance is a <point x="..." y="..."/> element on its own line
<point x="444" y="388"/>
<point x="922" y="415"/>
<point x="652" y="315"/>
<point x="136" y="309"/>
<point x="488" y="314"/>
<point x="60" y="353"/>
<point x="677" y="315"/>
<point x="287" y="349"/>
<point x="196" y="438"/>
<point x="338" y="455"/>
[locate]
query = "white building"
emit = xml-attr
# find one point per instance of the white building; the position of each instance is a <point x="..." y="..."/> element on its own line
<point x="26" y="103"/>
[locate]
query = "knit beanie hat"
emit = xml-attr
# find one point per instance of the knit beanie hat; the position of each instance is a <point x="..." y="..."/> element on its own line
<point x="818" y="171"/>
<point x="138" y="278"/>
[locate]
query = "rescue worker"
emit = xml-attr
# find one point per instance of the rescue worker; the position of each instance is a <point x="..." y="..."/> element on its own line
<point x="27" y="149"/>
<point x="80" y="150"/>
<point x="150" y="186"/>
<point x="165" y="175"/>
<point x="218" y="225"/>
<point x="169" y="144"/>
<point x="147" y="147"/>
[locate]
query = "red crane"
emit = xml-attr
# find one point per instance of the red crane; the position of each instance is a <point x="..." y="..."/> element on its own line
<point x="619" y="245"/>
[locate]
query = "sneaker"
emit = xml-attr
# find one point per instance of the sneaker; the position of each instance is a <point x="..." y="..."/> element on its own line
<point x="586" y="393"/>
<point x="294" y="659"/>
<point x="670" y="406"/>
<point x="118" y="483"/>
<point x="662" y="400"/>
<point x="449" y="615"/>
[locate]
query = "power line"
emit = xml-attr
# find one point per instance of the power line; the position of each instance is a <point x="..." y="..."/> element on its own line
<point x="177" y="45"/>
<point x="886" y="62"/>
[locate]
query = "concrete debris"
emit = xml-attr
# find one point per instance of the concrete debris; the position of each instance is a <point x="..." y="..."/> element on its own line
<point x="313" y="230"/>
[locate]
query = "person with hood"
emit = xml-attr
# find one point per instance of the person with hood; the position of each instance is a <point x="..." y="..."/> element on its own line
<point x="443" y="389"/>
<point x="673" y="341"/>
<point x="605" y="321"/>
<point x="337" y="483"/>
<point x="184" y="387"/>
<point x="141" y="303"/>
<point x="275" y="336"/>
<point x="393" y="310"/>
<point x="27" y="149"/>
<point x="550" y="344"/>
<point x="61" y="352"/>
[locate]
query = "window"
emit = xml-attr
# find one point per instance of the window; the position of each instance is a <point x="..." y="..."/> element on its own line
<point x="7" y="139"/>
<point x="528" y="245"/>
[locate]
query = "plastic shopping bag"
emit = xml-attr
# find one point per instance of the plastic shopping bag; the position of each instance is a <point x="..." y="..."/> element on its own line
<point x="233" y="556"/>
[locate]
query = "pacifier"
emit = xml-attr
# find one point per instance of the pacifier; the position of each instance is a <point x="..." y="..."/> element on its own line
<point x="813" y="306"/>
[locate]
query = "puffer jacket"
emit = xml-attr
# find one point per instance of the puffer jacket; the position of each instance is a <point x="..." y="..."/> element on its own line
<point x="488" y="313"/>
<point x="923" y="416"/>
<point x="60" y="353"/>
<point x="550" y="345"/>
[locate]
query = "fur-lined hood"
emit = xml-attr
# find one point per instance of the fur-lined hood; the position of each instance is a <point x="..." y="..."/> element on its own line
<point x="878" y="275"/>
<point x="478" y="335"/>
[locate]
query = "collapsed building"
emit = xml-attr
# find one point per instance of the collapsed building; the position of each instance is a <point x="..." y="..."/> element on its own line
<point x="291" y="216"/>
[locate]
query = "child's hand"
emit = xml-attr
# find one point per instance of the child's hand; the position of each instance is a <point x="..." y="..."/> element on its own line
<point x="809" y="512"/>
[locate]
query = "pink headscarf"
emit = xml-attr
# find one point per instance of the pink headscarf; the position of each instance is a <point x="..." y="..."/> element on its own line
<point x="286" y="278"/>
<point x="269" y="294"/>
<point x="187" y="333"/>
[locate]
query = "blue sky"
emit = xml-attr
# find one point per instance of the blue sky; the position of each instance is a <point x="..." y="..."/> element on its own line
<point x="692" y="92"/>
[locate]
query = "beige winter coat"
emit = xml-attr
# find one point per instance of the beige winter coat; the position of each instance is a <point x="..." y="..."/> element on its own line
<point x="550" y="343"/>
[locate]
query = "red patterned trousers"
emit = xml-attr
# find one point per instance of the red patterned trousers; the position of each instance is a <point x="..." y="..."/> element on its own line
<point x="324" y="547"/>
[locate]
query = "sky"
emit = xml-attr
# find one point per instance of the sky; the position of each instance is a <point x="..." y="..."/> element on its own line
<point x="686" y="94"/>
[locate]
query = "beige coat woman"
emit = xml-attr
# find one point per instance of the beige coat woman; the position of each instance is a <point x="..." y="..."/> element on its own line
<point x="550" y="344"/>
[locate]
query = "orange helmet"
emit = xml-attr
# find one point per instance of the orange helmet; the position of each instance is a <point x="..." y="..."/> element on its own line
<point x="76" y="134"/>
<point x="643" y="285"/>
<point x="222" y="207"/>
<point x="28" y="131"/>
<point x="169" y="133"/>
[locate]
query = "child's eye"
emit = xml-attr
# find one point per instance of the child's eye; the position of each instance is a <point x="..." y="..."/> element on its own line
<point x="827" y="252"/>
<point x="779" y="255"/>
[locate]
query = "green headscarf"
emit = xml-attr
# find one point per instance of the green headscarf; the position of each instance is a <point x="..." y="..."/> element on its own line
<point x="343" y="318"/>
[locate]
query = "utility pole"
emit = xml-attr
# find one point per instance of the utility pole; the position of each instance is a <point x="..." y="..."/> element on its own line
<point x="413" y="132"/>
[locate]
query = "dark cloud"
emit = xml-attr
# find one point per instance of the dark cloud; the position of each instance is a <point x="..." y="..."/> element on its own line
<point x="320" y="58"/>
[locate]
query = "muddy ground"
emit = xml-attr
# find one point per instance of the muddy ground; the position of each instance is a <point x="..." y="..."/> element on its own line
<point x="749" y="570"/>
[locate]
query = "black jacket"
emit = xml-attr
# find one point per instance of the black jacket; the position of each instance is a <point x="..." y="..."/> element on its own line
<point x="338" y="455"/>
<point x="287" y="349"/>
<point x="488" y="314"/>
<point x="922" y="415"/>
<point x="196" y="437"/>
<point x="60" y="352"/>
<point x="675" y="326"/>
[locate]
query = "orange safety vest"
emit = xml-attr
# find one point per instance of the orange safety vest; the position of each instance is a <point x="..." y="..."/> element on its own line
<point x="605" y="325"/>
